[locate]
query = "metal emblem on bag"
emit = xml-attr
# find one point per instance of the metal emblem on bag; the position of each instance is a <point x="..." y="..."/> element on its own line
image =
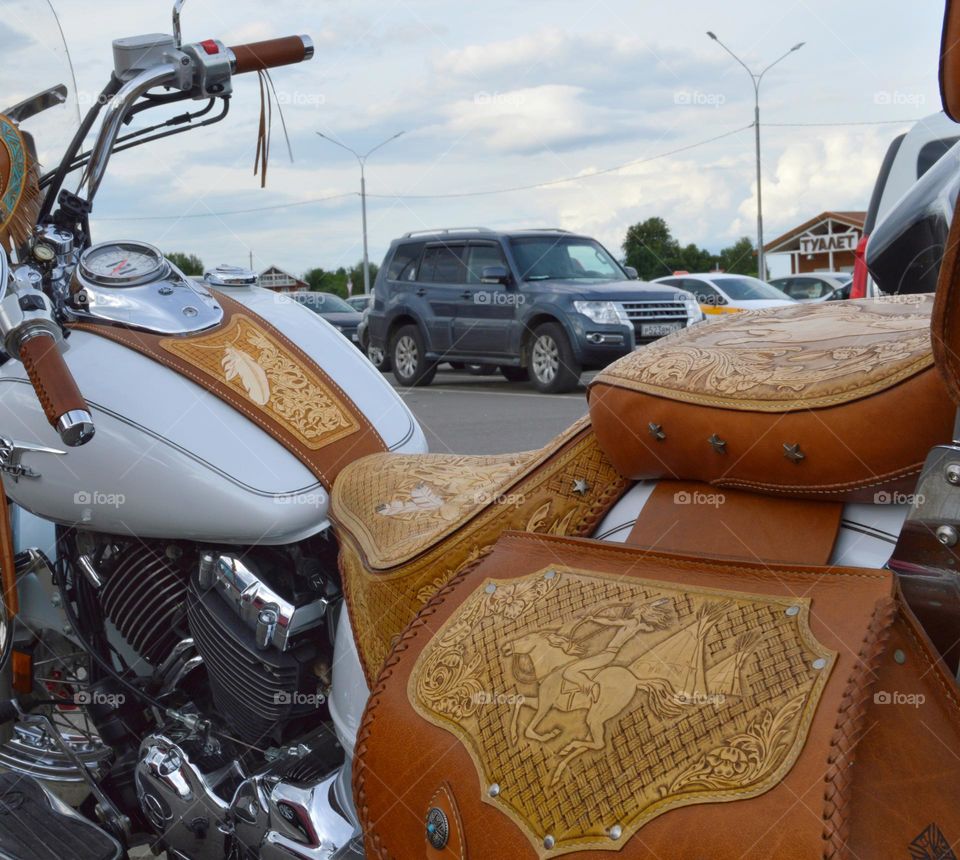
<point x="438" y="828"/>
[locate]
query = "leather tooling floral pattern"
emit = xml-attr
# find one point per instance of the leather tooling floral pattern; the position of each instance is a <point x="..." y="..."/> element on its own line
<point x="798" y="357"/>
<point x="656" y="695"/>
<point x="250" y="360"/>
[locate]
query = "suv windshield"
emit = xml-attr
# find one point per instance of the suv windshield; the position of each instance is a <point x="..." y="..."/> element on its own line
<point x="559" y="258"/>
<point x="746" y="289"/>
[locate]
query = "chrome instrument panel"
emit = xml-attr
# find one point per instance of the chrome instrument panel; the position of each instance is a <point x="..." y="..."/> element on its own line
<point x="140" y="290"/>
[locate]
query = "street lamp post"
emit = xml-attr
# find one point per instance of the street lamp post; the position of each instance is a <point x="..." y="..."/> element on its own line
<point x="755" y="80"/>
<point x="362" y="161"/>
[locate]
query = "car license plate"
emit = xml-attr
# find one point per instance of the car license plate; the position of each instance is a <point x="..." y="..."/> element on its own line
<point x="659" y="329"/>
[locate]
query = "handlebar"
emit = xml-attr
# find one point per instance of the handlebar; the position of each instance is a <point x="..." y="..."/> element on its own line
<point x="257" y="56"/>
<point x="62" y="402"/>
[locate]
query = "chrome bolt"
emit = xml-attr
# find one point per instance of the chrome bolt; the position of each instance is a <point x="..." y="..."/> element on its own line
<point x="490" y="588"/>
<point x="550" y="574"/>
<point x="549" y="842"/>
<point x="947" y="535"/>
<point x="899" y="657"/>
<point x="792" y="610"/>
<point x="819" y="663"/>
<point x="953" y="473"/>
<point x="615" y="832"/>
<point x="494" y="790"/>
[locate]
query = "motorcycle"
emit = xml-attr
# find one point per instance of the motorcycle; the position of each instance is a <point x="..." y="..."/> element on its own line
<point x="250" y="616"/>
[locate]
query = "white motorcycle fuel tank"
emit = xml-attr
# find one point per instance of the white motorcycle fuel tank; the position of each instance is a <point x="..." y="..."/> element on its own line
<point x="171" y="460"/>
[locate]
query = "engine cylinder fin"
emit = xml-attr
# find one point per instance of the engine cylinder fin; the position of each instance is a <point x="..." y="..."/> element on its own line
<point x="144" y="598"/>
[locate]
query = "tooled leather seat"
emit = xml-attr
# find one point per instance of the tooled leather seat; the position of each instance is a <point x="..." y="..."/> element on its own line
<point x="836" y="401"/>
<point x="408" y="524"/>
<point x="822" y="402"/>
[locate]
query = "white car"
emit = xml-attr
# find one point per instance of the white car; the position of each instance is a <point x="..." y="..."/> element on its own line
<point x="815" y="286"/>
<point x="720" y="293"/>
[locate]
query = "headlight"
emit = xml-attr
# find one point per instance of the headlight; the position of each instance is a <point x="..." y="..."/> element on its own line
<point x="694" y="314"/>
<point x="604" y="313"/>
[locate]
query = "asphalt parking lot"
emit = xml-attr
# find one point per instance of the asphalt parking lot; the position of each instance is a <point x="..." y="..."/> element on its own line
<point x="465" y="414"/>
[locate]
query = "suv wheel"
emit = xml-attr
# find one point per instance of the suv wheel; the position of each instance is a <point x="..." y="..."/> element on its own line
<point x="408" y="357"/>
<point x="514" y="374"/>
<point x="553" y="369"/>
<point x="378" y="358"/>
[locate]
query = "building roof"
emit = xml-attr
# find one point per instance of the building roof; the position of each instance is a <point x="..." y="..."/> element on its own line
<point x="854" y="220"/>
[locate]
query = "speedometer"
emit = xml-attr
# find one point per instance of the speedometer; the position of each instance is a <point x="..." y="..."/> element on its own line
<point x="122" y="264"/>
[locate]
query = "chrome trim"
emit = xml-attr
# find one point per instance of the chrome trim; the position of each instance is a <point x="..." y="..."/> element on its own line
<point x="114" y="116"/>
<point x="169" y="303"/>
<point x="37" y="103"/>
<point x="177" y="8"/>
<point x="230" y="276"/>
<point x="273" y="619"/>
<point x="76" y="428"/>
<point x="11" y="454"/>
<point x="308" y="47"/>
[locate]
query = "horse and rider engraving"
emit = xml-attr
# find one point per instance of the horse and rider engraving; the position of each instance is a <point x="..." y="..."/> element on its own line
<point x="571" y="674"/>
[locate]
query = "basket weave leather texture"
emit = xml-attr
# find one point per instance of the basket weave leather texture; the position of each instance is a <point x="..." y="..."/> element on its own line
<point x="564" y="489"/>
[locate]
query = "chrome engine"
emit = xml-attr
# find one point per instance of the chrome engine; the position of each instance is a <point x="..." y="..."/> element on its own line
<point x="206" y="809"/>
<point x="238" y="645"/>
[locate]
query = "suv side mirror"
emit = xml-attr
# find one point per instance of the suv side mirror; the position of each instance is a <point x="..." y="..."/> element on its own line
<point x="632" y="273"/>
<point x="494" y="275"/>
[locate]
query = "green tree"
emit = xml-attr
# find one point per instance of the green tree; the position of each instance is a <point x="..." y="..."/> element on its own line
<point x="739" y="258"/>
<point x="651" y="249"/>
<point x="189" y="264"/>
<point x="316" y="278"/>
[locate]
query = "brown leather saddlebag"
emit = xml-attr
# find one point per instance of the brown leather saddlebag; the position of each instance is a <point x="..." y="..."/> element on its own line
<point x="569" y="697"/>
<point x="838" y="400"/>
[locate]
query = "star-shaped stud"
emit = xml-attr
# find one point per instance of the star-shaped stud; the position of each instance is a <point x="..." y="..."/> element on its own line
<point x="581" y="487"/>
<point x="656" y="431"/>
<point x="793" y="452"/>
<point x="718" y="444"/>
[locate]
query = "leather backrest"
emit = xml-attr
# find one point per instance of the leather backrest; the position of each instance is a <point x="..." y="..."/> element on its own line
<point x="815" y="401"/>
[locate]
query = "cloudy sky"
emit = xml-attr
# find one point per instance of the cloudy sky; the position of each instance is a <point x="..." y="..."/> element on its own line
<point x="498" y="95"/>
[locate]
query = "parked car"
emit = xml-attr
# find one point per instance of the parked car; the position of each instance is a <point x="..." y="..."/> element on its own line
<point x="377" y="355"/>
<point x="815" y="286"/>
<point x="720" y="293"/>
<point x="334" y="310"/>
<point x="542" y="305"/>
<point x="908" y="158"/>
<point x="360" y="303"/>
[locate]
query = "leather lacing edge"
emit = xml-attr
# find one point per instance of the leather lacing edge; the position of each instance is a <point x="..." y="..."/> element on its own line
<point x="372" y="839"/>
<point x="849" y="730"/>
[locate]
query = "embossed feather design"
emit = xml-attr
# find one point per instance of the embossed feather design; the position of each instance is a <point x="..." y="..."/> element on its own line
<point x="236" y="362"/>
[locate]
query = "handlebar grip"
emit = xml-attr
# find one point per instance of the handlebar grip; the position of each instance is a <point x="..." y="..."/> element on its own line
<point x="256" y="56"/>
<point x="62" y="402"/>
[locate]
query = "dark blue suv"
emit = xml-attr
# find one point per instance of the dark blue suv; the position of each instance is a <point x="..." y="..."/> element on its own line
<point x="542" y="305"/>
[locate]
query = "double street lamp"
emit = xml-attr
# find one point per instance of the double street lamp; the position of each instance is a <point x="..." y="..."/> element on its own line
<point x="755" y="79"/>
<point x="362" y="161"/>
